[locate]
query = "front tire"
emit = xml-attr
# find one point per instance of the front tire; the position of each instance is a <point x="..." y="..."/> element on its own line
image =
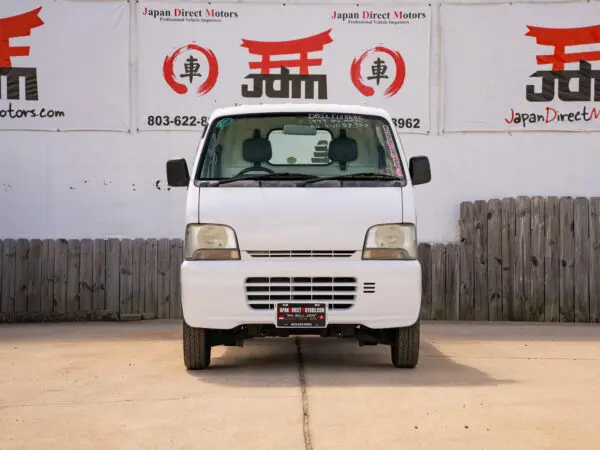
<point x="196" y="348"/>
<point x="405" y="349"/>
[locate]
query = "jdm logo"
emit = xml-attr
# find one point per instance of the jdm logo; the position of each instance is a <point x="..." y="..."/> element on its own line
<point x="560" y="38"/>
<point x="16" y="27"/>
<point x="188" y="59"/>
<point x="298" y="48"/>
<point x="379" y="61"/>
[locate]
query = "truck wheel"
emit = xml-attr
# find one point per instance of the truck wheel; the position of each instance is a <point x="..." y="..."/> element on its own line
<point x="196" y="348"/>
<point x="405" y="349"/>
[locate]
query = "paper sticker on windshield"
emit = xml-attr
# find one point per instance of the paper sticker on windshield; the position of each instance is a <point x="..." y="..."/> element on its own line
<point x="392" y="149"/>
<point x="224" y="122"/>
<point x="337" y="120"/>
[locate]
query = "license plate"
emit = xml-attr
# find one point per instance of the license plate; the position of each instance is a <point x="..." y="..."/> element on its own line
<point x="301" y="315"/>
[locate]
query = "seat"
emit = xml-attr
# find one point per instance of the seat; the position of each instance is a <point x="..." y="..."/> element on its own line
<point x="343" y="150"/>
<point x="256" y="150"/>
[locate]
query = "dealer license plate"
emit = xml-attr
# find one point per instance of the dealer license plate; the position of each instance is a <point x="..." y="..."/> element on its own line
<point x="301" y="315"/>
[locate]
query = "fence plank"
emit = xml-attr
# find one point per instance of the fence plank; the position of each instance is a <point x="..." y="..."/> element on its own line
<point x="60" y="276"/>
<point x="425" y="260"/>
<point x="452" y="286"/>
<point x="467" y="226"/>
<point x="162" y="282"/>
<point x="480" y="290"/>
<point x="552" y="261"/>
<point x="34" y="277"/>
<point x="47" y="274"/>
<point x="494" y="259"/>
<point x="73" y="269"/>
<point x="99" y="276"/>
<point x="594" y="273"/>
<point x="113" y="264"/>
<point x="174" y="279"/>
<point x="581" y="216"/>
<point x="567" y="260"/>
<point x="438" y="281"/>
<point x="126" y="277"/>
<point x="522" y="274"/>
<point x="538" y="214"/>
<point x="86" y="275"/>
<point x="9" y="254"/>
<point x="509" y="224"/>
<point x="21" y="274"/>
<point x="137" y="269"/>
<point x="150" y="274"/>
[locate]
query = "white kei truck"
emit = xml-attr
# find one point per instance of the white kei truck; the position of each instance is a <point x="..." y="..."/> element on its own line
<point x="300" y="220"/>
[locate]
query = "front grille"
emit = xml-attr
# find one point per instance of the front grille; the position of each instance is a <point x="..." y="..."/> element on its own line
<point x="263" y="290"/>
<point x="301" y="253"/>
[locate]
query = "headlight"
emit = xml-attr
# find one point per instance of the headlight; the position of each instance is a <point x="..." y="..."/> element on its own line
<point x="210" y="242"/>
<point x="391" y="241"/>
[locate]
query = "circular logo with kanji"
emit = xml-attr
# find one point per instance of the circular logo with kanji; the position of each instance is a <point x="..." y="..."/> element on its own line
<point x="190" y="66"/>
<point x="378" y="69"/>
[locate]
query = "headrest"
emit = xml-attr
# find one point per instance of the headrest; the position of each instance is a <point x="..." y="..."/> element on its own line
<point x="257" y="149"/>
<point x="343" y="149"/>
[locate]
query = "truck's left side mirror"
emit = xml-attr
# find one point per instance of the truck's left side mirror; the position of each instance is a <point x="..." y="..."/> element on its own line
<point x="177" y="173"/>
<point x="420" y="171"/>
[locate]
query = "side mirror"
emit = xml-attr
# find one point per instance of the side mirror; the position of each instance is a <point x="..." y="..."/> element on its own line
<point x="419" y="169"/>
<point x="177" y="173"/>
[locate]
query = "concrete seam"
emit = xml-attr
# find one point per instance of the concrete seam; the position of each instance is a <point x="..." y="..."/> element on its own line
<point x="302" y="377"/>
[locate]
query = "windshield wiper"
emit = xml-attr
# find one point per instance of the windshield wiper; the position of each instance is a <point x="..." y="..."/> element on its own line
<point x="354" y="176"/>
<point x="269" y="176"/>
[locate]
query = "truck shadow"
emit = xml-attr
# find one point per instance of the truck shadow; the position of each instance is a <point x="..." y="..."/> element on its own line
<point x="335" y="363"/>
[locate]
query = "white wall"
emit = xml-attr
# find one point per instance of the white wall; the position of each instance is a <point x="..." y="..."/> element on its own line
<point x="84" y="184"/>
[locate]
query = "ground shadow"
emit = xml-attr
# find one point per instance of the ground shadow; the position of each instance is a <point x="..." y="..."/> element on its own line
<point x="335" y="363"/>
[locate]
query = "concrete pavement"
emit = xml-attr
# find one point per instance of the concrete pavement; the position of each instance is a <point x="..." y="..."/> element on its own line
<point x="124" y="386"/>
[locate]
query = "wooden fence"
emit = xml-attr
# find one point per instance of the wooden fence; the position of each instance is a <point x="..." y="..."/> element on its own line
<point x="89" y="279"/>
<point x="523" y="259"/>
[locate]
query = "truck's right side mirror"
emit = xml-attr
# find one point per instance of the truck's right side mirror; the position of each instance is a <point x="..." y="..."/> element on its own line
<point x="177" y="173"/>
<point x="419" y="169"/>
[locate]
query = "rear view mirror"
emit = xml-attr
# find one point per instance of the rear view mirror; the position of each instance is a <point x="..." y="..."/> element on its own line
<point x="177" y="173"/>
<point x="419" y="169"/>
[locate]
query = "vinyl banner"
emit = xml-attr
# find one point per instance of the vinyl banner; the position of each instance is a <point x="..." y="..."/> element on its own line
<point x="64" y="65"/>
<point x="195" y="57"/>
<point x="521" y="67"/>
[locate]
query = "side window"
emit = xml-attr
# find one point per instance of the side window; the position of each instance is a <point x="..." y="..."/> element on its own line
<point x="289" y="150"/>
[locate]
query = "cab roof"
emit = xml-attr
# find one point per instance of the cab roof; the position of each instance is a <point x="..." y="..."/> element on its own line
<point x="323" y="108"/>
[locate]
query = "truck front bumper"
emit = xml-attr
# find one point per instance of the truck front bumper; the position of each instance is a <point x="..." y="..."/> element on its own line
<point x="226" y="294"/>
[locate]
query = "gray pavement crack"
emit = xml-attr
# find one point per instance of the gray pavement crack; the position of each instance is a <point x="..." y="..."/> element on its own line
<point x="302" y="377"/>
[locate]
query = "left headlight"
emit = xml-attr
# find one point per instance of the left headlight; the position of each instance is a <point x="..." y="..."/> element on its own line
<point x="391" y="241"/>
<point x="210" y="242"/>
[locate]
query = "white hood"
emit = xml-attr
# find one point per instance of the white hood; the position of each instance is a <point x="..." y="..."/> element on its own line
<point x="311" y="218"/>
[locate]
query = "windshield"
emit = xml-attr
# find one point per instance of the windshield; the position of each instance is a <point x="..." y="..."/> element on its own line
<point x="306" y="145"/>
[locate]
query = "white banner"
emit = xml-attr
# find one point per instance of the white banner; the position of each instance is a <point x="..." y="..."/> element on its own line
<point x="521" y="67"/>
<point x="195" y="57"/>
<point x="64" y="65"/>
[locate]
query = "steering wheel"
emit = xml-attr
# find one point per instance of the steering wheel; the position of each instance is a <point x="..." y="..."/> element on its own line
<point x="253" y="168"/>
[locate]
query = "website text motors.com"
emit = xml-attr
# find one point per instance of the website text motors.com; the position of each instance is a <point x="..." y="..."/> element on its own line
<point x="12" y="113"/>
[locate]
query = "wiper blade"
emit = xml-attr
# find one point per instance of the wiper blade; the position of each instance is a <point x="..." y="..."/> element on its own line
<point x="354" y="176"/>
<point x="269" y="176"/>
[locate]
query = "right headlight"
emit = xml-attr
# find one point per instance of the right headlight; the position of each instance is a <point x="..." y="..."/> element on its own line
<point x="210" y="242"/>
<point x="391" y="241"/>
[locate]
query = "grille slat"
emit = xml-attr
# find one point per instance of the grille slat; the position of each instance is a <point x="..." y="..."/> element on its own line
<point x="260" y="290"/>
<point x="301" y="253"/>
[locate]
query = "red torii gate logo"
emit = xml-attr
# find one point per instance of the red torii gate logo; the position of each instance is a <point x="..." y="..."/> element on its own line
<point x="266" y="80"/>
<point x="12" y="27"/>
<point x="560" y="38"/>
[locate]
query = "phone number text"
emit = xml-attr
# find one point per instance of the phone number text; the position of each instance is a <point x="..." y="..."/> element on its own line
<point x="178" y="121"/>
